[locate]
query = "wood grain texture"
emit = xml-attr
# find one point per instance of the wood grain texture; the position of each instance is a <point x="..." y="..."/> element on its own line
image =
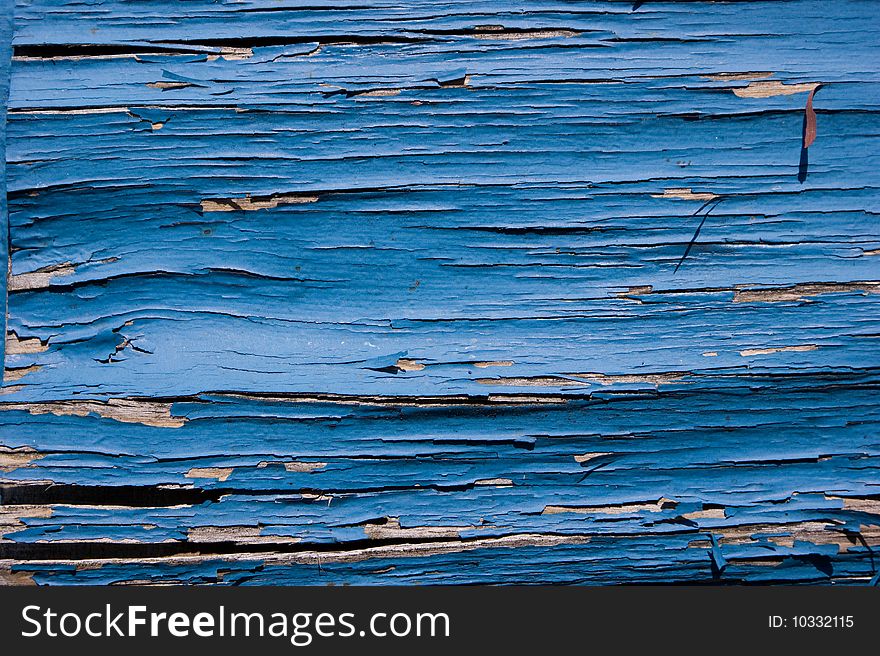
<point x="469" y="292"/>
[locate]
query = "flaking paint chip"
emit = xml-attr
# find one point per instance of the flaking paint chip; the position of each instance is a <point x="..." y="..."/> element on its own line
<point x="218" y="473"/>
<point x="770" y="88"/>
<point x="778" y="349"/>
<point x="685" y="193"/>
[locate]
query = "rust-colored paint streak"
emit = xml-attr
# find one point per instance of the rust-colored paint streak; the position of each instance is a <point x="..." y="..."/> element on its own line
<point x="810" y="120"/>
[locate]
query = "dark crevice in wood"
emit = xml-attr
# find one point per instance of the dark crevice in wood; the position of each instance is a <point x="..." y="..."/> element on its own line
<point x="156" y="496"/>
<point x="24" y="551"/>
<point x="105" y="550"/>
<point x="137" y="496"/>
<point x="50" y="50"/>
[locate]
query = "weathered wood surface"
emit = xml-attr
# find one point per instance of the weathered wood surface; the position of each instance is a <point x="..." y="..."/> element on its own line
<point x="387" y="293"/>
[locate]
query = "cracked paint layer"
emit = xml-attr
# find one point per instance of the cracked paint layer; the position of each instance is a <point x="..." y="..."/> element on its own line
<point x="472" y="293"/>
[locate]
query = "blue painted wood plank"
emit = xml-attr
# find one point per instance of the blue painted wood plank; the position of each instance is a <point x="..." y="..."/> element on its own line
<point x="395" y="294"/>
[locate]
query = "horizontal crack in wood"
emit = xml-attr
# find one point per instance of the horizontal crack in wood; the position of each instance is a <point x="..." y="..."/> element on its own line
<point x="801" y="292"/>
<point x="620" y="509"/>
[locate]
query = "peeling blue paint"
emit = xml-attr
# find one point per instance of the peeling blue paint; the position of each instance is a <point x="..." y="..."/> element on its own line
<point x="388" y="294"/>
